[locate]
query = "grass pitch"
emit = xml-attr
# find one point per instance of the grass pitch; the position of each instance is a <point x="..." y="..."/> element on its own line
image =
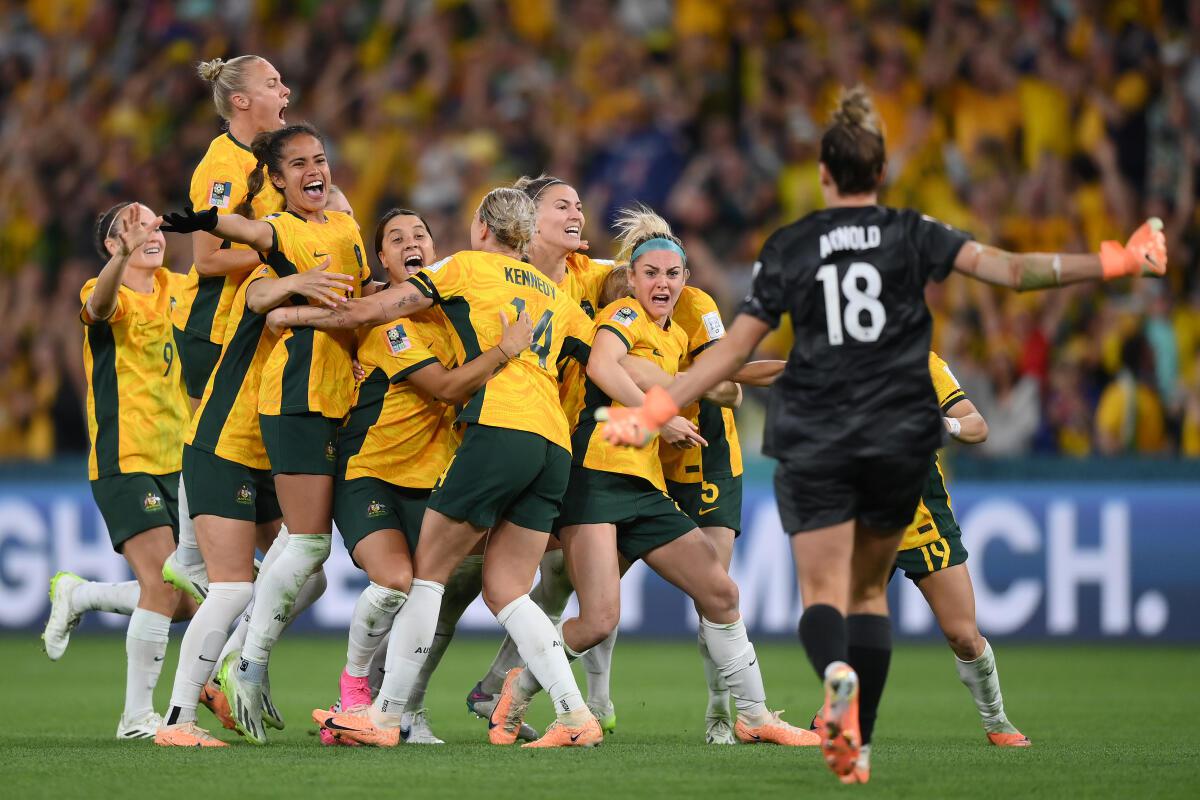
<point x="1106" y="722"/>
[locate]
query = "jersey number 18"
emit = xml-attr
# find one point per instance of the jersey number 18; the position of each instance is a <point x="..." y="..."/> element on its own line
<point x="858" y="301"/>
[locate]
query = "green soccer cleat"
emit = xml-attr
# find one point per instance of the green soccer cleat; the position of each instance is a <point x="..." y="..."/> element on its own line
<point x="270" y="714"/>
<point x="63" y="618"/>
<point x="245" y="700"/>
<point x="192" y="581"/>
<point x="606" y="715"/>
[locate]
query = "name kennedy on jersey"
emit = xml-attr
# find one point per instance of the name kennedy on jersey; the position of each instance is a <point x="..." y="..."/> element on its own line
<point x="850" y="237"/>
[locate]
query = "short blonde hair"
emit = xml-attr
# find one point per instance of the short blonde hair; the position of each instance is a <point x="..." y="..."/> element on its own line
<point x="509" y="215"/>
<point x="227" y="79"/>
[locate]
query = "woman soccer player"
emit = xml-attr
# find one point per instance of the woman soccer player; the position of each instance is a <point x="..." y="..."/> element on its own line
<point x="616" y="501"/>
<point x="137" y="411"/>
<point x="853" y="277"/>
<point x="516" y="495"/>
<point x="397" y="440"/>
<point x="933" y="557"/>
<point x="271" y="407"/>
<point x="251" y="98"/>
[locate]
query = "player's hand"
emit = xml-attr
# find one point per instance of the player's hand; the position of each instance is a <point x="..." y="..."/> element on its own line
<point x="356" y="367"/>
<point x="680" y="433"/>
<point x="189" y="221"/>
<point x="276" y="320"/>
<point x="130" y="233"/>
<point x="635" y="427"/>
<point x="326" y="288"/>
<point x="1144" y="254"/>
<point x="516" y="336"/>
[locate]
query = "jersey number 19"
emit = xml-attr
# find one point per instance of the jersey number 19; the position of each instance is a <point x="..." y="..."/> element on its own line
<point x="859" y="301"/>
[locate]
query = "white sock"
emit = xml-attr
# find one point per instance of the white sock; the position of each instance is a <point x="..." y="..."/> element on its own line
<point x="597" y="666"/>
<point x="551" y="595"/>
<point x="236" y="640"/>
<point x="734" y="657"/>
<point x="187" y="552"/>
<point x="115" y="598"/>
<point x="201" y="645"/>
<point x="371" y="619"/>
<point x="145" y="649"/>
<point x="718" y="690"/>
<point x="411" y="641"/>
<point x="542" y="648"/>
<point x="277" y="590"/>
<point x="461" y="590"/>
<point x="983" y="680"/>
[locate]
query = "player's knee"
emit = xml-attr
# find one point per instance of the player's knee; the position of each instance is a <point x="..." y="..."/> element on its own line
<point x="964" y="640"/>
<point x="721" y="599"/>
<point x="594" y="626"/>
<point x="397" y="576"/>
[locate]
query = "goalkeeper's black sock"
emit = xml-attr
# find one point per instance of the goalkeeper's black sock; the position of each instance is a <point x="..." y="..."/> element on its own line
<point x="870" y="654"/>
<point x="823" y="634"/>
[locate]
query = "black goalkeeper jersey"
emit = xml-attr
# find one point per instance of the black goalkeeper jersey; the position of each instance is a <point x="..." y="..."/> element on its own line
<point x="857" y="380"/>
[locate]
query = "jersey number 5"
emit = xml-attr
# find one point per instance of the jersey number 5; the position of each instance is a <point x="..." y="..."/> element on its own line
<point x="543" y="332"/>
<point x="858" y="301"/>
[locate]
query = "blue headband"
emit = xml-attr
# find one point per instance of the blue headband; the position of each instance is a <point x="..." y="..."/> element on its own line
<point x="657" y="243"/>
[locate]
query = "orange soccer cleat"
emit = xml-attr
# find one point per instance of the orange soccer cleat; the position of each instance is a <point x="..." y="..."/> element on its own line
<point x="1009" y="739"/>
<point x="560" y="735"/>
<point x="509" y="713"/>
<point x="186" y="734"/>
<point x="214" y="700"/>
<point x="1144" y="254"/>
<point x="776" y="732"/>
<point x="841" y="741"/>
<point x="861" y="773"/>
<point x="356" y="725"/>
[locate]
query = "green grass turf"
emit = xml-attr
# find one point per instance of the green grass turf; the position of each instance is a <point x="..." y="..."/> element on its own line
<point x="1106" y="722"/>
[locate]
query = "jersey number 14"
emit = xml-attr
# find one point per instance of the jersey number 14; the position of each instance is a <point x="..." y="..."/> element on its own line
<point x="543" y="332"/>
<point x="860" y="301"/>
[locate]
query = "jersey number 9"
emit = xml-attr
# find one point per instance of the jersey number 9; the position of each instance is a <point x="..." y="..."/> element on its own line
<point x="168" y="357"/>
<point x="858" y="301"/>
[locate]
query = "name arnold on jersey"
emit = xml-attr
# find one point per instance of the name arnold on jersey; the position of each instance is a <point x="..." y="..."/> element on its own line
<point x="850" y="237"/>
<point x="525" y="277"/>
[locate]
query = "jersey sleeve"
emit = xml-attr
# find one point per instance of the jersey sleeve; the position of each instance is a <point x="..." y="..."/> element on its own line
<point x="937" y="245"/>
<point x="705" y="325"/>
<point x="400" y="350"/>
<point x="767" y="300"/>
<point x="218" y="184"/>
<point x="577" y="341"/>
<point x="441" y="281"/>
<point x="945" y="384"/>
<point x="623" y="320"/>
<point x="85" y="316"/>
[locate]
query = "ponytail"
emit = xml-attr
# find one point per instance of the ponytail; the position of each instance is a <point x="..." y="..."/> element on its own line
<point x="852" y="149"/>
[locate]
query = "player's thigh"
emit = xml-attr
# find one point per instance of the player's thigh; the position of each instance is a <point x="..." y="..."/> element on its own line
<point x="951" y="597"/>
<point x="690" y="563"/>
<point x="307" y="502"/>
<point x="385" y="557"/>
<point x="510" y="563"/>
<point x="722" y="541"/>
<point x="227" y="546"/>
<point x="444" y="543"/>
<point x="874" y="559"/>
<point x="822" y="557"/>
<point x="595" y="571"/>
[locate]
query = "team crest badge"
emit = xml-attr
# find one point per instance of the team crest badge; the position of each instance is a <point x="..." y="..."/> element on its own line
<point x="625" y="315"/>
<point x="398" y="340"/>
<point x="152" y="502"/>
<point x="243" y="495"/>
<point x="219" y="196"/>
<point x="376" y="509"/>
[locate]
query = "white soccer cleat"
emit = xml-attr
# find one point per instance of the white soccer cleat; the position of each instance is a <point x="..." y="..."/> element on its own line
<point x="270" y="714"/>
<point x="143" y="727"/>
<point x="63" y="618"/>
<point x="191" y="580"/>
<point x="718" y="730"/>
<point x="415" y="729"/>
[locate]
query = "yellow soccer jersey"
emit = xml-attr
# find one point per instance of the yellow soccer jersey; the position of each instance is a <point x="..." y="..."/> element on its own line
<point x="663" y="347"/>
<point x="226" y="422"/>
<point x="395" y="432"/>
<point x="309" y="370"/>
<point x="220" y="180"/>
<point x="697" y="315"/>
<point x="472" y="288"/>
<point x="137" y="409"/>
<point x="583" y="282"/>
<point x="935" y="518"/>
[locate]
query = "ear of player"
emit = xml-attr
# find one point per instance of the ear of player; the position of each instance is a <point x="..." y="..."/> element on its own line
<point x="189" y="221"/>
<point x="1144" y="254"/>
<point x="635" y="427"/>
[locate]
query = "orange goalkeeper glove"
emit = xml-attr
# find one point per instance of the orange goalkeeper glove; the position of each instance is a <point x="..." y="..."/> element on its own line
<point x="1144" y="254"/>
<point x="635" y="427"/>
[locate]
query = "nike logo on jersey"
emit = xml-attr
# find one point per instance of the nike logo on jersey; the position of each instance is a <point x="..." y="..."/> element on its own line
<point x="320" y="255"/>
<point x="704" y="511"/>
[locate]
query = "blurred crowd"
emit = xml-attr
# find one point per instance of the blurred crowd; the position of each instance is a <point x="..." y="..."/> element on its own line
<point x="1036" y="126"/>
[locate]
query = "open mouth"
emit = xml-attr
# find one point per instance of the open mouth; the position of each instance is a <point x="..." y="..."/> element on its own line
<point x="283" y="109"/>
<point x="660" y="298"/>
<point x="571" y="230"/>
<point x="314" y="190"/>
<point x="152" y="249"/>
<point x="414" y="262"/>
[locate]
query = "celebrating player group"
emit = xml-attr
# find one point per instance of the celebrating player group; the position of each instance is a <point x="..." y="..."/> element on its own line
<point x="514" y="409"/>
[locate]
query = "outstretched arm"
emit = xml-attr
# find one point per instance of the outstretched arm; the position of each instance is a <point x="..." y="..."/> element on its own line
<point x="130" y="235"/>
<point x="645" y="374"/>
<point x="402" y="300"/>
<point x="212" y="259"/>
<point x="231" y="227"/>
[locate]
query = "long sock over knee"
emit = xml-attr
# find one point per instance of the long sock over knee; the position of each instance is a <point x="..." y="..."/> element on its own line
<point x="202" y="643"/>
<point x="461" y="590"/>
<point x="823" y="634"/>
<point x="371" y="619"/>
<point x="408" y="648"/>
<point x="870" y="654"/>
<point x="540" y="646"/>
<point x="145" y="648"/>
<point x="278" y="588"/>
<point x="737" y="662"/>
